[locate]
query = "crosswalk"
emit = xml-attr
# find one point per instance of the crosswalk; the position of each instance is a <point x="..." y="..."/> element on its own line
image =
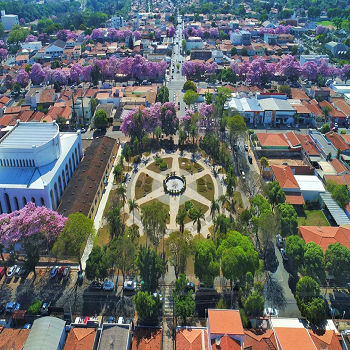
<point x="168" y="302"/>
<point x="168" y="343"/>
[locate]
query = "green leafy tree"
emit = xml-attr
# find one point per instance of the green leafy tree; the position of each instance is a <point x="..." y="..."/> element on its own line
<point x="71" y="242"/>
<point x="288" y="218"/>
<point x="183" y="298"/>
<point x="337" y="258"/>
<point x="183" y="45"/>
<point x="127" y="153"/>
<point x="315" y="310"/>
<point x="178" y="247"/>
<point x="244" y="51"/>
<point x="268" y="229"/>
<point x="285" y="89"/>
<point x="180" y="219"/>
<point x="325" y="128"/>
<point x="121" y="253"/>
<point x="96" y="265"/>
<point x="254" y="304"/>
<point x="17" y="35"/>
<point x="206" y="263"/>
<point x="150" y="266"/>
<point x="133" y="205"/>
<point x="118" y="172"/>
<point x="189" y="85"/>
<point x="326" y="111"/>
<point x="340" y="195"/>
<point x="150" y="36"/>
<point x="260" y="205"/>
<point x="264" y="162"/>
<point x="163" y="95"/>
<point x="146" y="305"/>
<point x="295" y="248"/>
<point x="275" y="193"/>
<point x="313" y="264"/>
<point x="100" y="119"/>
<point x="233" y="51"/>
<point x="190" y="97"/>
<point x="115" y="221"/>
<point x="93" y="104"/>
<point x="237" y="128"/>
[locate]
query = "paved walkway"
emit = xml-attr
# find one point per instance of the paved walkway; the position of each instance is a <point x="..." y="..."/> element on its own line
<point x="100" y="210"/>
<point x="175" y="201"/>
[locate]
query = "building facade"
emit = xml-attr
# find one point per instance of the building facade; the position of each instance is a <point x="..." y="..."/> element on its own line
<point x="37" y="162"/>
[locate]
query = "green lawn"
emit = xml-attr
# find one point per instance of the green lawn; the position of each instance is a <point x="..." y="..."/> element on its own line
<point x="188" y="165"/>
<point x="325" y="23"/>
<point x="143" y="185"/>
<point x="195" y="205"/>
<point x="238" y="202"/>
<point x="154" y="167"/>
<point x="156" y="200"/>
<point x="313" y="218"/>
<point x="205" y="187"/>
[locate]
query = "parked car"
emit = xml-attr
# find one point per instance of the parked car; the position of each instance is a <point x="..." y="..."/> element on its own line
<point x="94" y="285"/>
<point x="10" y="307"/>
<point x="108" y="286"/>
<point x="243" y="175"/>
<point x="279" y="241"/>
<point x="191" y="286"/>
<point x="283" y="253"/>
<point x="54" y="272"/>
<point x="27" y="326"/>
<point x="246" y="148"/>
<point x="60" y="271"/>
<point x="2" y="271"/>
<point x="23" y="272"/>
<point x="2" y="308"/>
<point x="44" y="310"/>
<point x="18" y="271"/>
<point x="83" y="130"/>
<point x="11" y="271"/>
<point x="335" y="129"/>
<point x="250" y="159"/>
<point x="270" y="312"/>
<point x="158" y="295"/>
<point x="65" y="274"/>
<point x="130" y="285"/>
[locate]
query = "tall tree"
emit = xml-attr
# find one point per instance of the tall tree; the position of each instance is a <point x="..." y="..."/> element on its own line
<point x="151" y="268"/>
<point x="72" y="240"/>
<point x="133" y="205"/>
<point x="276" y="194"/>
<point x="180" y="219"/>
<point x="313" y="263"/>
<point x="295" y="249"/>
<point x="197" y="216"/>
<point x="183" y="298"/>
<point x="337" y="258"/>
<point x="96" y="265"/>
<point x="178" y="247"/>
<point x="114" y="218"/>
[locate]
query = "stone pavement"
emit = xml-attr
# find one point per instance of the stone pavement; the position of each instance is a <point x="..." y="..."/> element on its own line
<point x="175" y="201"/>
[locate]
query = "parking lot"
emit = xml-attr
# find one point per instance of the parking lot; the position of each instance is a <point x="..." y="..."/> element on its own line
<point x="72" y="296"/>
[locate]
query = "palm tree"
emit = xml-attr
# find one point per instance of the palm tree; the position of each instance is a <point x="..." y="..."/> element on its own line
<point x="133" y="205"/>
<point x="118" y="171"/>
<point x="193" y="132"/>
<point x="264" y="162"/>
<point x="158" y="133"/>
<point x="127" y="153"/>
<point x="223" y="200"/>
<point x="197" y="216"/>
<point x="180" y="219"/>
<point x="215" y="207"/>
<point x="121" y="192"/>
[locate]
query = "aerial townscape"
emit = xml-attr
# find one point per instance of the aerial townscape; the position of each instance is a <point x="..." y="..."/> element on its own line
<point x="174" y="175"/>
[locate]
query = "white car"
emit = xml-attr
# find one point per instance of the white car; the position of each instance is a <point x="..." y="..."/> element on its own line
<point x="130" y="285"/>
<point x="270" y="312"/>
<point x="108" y="286"/>
<point x="11" y="271"/>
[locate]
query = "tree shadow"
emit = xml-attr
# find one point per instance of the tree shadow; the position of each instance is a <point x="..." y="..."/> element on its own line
<point x="271" y="262"/>
<point x="274" y="293"/>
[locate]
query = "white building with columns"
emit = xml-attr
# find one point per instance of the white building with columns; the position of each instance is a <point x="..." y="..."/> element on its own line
<point x="36" y="164"/>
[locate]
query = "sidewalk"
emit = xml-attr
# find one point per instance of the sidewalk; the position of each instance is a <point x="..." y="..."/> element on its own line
<point x="100" y="210"/>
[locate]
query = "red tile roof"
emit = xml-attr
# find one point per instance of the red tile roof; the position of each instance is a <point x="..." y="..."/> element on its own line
<point x="6" y="119"/>
<point x="226" y="343"/>
<point x="293" y="139"/>
<point x="13" y="339"/>
<point x="339" y="179"/>
<point x="80" y="339"/>
<point x="299" y="94"/>
<point x="308" y="145"/>
<point x="325" y="235"/>
<point x="295" y="198"/>
<point x="284" y="175"/>
<point x="338" y="166"/>
<point x="342" y="105"/>
<point x="257" y="339"/>
<point x="290" y="339"/>
<point x="225" y="322"/>
<point x="334" y="113"/>
<point x="191" y="339"/>
<point x="337" y="141"/>
<point x="325" y="339"/>
<point x="147" y="338"/>
<point x="270" y="139"/>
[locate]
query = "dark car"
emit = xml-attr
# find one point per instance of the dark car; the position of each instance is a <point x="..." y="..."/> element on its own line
<point x="2" y="308"/>
<point x="60" y="271"/>
<point x="250" y="159"/>
<point x="94" y="285"/>
<point x="191" y="286"/>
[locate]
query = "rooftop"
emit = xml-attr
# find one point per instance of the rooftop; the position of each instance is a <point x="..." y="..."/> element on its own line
<point x="192" y="339"/>
<point x="27" y="135"/>
<point x="337" y="213"/>
<point x="225" y="322"/>
<point x="285" y="177"/>
<point x="114" y="336"/>
<point x="147" y="338"/>
<point x="272" y="140"/>
<point x="13" y="339"/>
<point x="309" y="183"/>
<point x="80" y="339"/>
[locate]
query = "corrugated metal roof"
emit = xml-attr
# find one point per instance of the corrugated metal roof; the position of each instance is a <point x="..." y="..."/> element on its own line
<point x="337" y="213"/>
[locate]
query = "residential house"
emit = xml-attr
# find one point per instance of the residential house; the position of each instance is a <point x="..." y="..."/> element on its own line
<point x="32" y="46"/>
<point x="191" y="338"/>
<point x="194" y="42"/>
<point x="21" y="59"/>
<point x="13" y="339"/>
<point x="242" y="37"/>
<point x="309" y="150"/>
<point x="8" y="21"/>
<point x="147" y="338"/>
<point x="55" y="50"/>
<point x="337" y="49"/>
<point x="335" y="115"/>
<point x="338" y="142"/>
<point x="115" y="336"/>
<point x="81" y="338"/>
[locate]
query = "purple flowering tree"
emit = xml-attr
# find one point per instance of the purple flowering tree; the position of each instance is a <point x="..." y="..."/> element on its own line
<point x="22" y="21"/>
<point x="206" y="111"/>
<point x="169" y="120"/>
<point x="214" y="33"/>
<point x="309" y="70"/>
<point x="86" y="73"/>
<point x="36" y="228"/>
<point x="344" y="73"/>
<point x="96" y="34"/>
<point x="71" y="35"/>
<point x="22" y="78"/>
<point x="2" y="44"/>
<point x="185" y="121"/>
<point x="9" y="82"/>
<point x="75" y="72"/>
<point x="171" y="31"/>
<point x="234" y="67"/>
<point x="3" y="54"/>
<point x="157" y="34"/>
<point x="137" y="35"/>
<point x="62" y="34"/>
<point x="321" y="30"/>
<point x="128" y="123"/>
<point x="151" y="117"/>
<point x="289" y="68"/>
<point x="37" y="74"/>
<point x="322" y="68"/>
<point x="30" y="38"/>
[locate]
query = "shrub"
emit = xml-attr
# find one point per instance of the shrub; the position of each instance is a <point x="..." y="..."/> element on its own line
<point x="148" y="180"/>
<point x="34" y="307"/>
<point x="163" y="166"/>
<point x="343" y="132"/>
<point x="251" y="131"/>
<point x="187" y="167"/>
<point x="210" y="185"/>
<point x="188" y="205"/>
<point x="138" y="183"/>
<point x="147" y="188"/>
<point x="190" y="213"/>
<point x="201" y="181"/>
<point x="137" y="160"/>
<point x="196" y="165"/>
<point x="159" y="160"/>
<point x="201" y="188"/>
